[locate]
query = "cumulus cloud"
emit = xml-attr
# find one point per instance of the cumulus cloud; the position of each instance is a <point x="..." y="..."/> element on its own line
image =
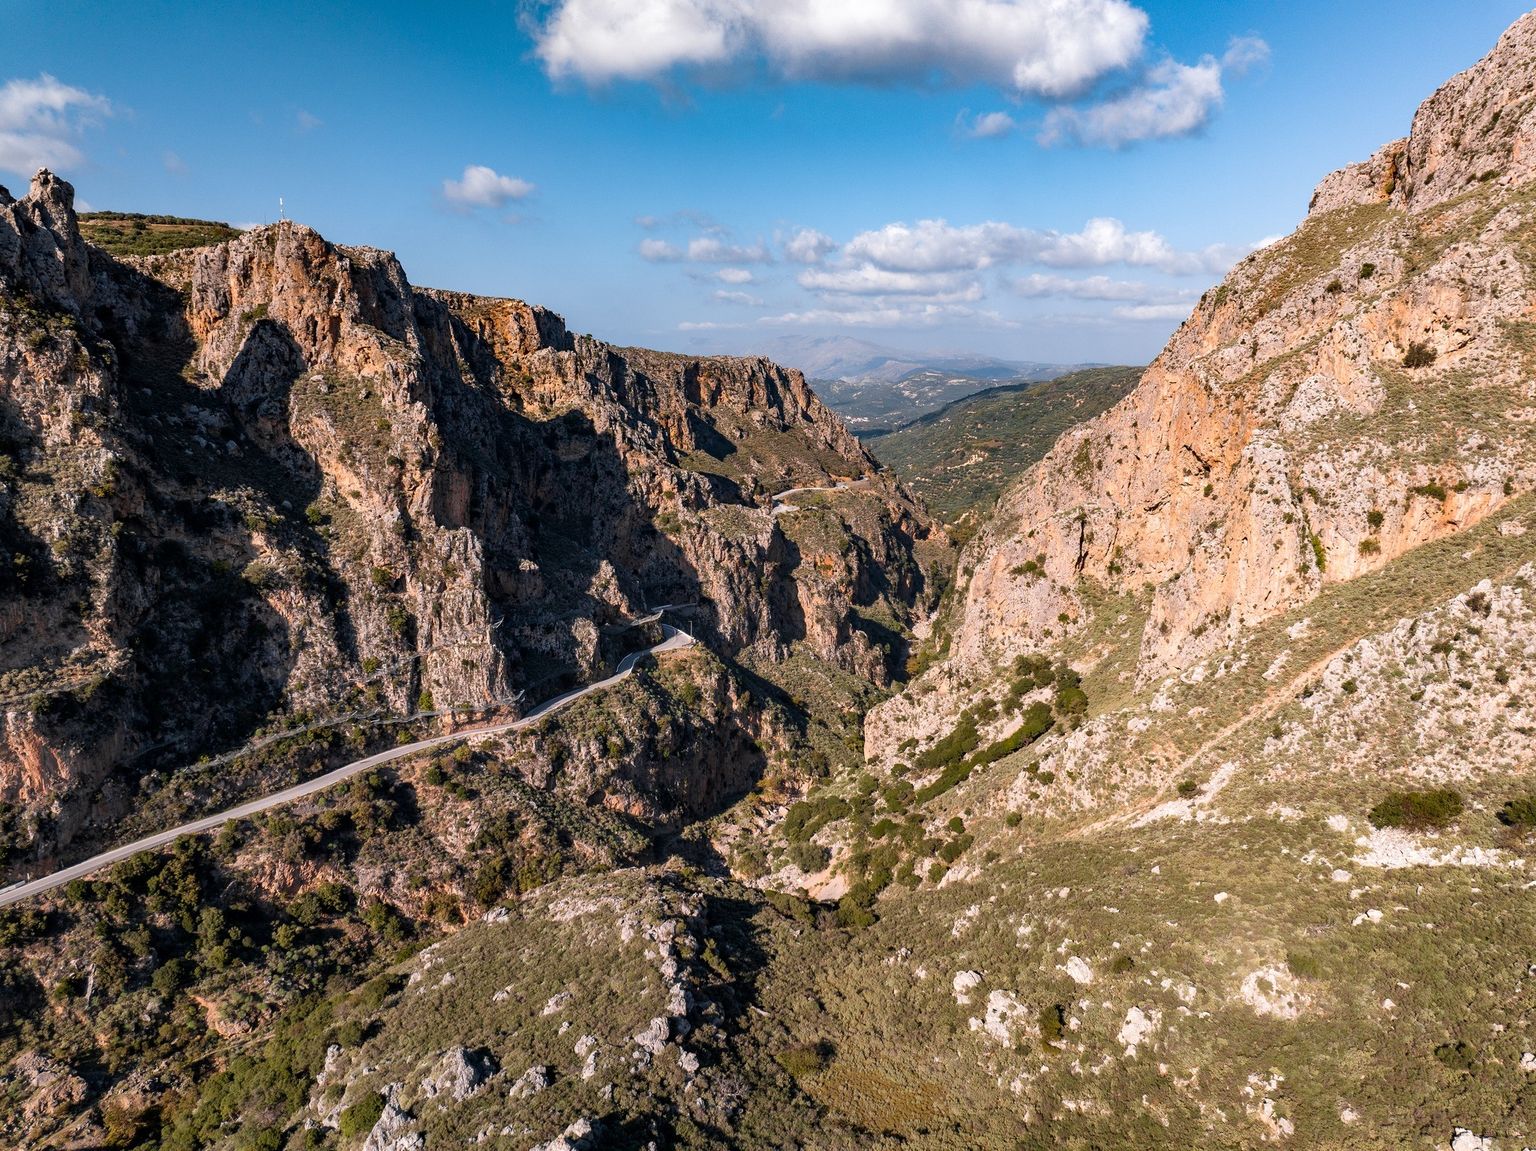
<point x="1152" y="311"/>
<point x="482" y="187"/>
<point x="808" y="246"/>
<point x="734" y="276"/>
<point x="1038" y="286"/>
<point x="868" y="280"/>
<point x="659" y="251"/>
<point x="717" y="250"/>
<point x="42" y="121"/>
<point x="1051" y="48"/>
<point x="746" y="299"/>
<point x="986" y="125"/>
<point x="714" y="247"/>
<point x="888" y="314"/>
<point x="1174" y="99"/>
<point x="938" y="246"/>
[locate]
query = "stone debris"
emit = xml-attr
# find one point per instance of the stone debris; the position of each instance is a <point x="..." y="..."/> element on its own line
<point x="1138" y="1026"/>
<point x="393" y="1131"/>
<point x="557" y="1002"/>
<point x="1004" y="1015"/>
<point x="53" y="1086"/>
<point x="1274" y="991"/>
<point x="964" y="983"/>
<point x="1463" y="1139"/>
<point x="537" y="1078"/>
<point x="1078" y="970"/>
<point x="654" y="1038"/>
<point x="582" y="1135"/>
<point x="460" y="1073"/>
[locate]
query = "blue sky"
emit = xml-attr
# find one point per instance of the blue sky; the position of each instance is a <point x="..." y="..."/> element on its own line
<point x="1037" y="179"/>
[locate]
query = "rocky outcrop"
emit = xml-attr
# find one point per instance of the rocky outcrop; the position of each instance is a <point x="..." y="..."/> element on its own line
<point x="270" y="479"/>
<point x="1343" y="397"/>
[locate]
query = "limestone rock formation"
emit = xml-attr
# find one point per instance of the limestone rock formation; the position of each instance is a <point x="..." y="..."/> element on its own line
<point x="269" y="481"/>
<point x="1344" y="396"/>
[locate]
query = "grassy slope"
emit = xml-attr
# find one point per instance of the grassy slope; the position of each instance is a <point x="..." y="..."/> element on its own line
<point x="960" y="457"/>
<point x="135" y="234"/>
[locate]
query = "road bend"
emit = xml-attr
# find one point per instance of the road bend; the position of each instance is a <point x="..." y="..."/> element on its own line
<point x="673" y="640"/>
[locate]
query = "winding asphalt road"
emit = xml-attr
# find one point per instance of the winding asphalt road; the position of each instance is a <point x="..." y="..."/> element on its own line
<point x="673" y="641"/>
<point x="780" y="507"/>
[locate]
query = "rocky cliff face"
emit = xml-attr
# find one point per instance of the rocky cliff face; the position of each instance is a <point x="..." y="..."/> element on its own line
<point x="270" y="478"/>
<point x="1344" y="396"/>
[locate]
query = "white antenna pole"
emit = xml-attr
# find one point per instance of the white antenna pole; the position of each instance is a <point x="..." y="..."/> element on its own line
<point x="281" y="216"/>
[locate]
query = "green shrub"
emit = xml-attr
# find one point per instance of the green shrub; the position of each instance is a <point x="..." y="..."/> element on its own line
<point x="1519" y="812"/>
<point x="1188" y="788"/>
<point x="1319" y="552"/>
<point x="1417" y="810"/>
<point x="1458" y="1056"/>
<point x="1013" y="819"/>
<point x="1418" y="355"/>
<point x="805" y="1059"/>
<point x="1053" y="1024"/>
<point x="806" y="818"/>
<point x="1303" y="965"/>
<point x="808" y="857"/>
<point x="359" y="1118"/>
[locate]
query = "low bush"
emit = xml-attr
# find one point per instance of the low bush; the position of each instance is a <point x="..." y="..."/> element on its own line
<point x="359" y="1118"/>
<point x="1520" y="813"/>
<point x="805" y="1059"/>
<point x="1417" y="810"/>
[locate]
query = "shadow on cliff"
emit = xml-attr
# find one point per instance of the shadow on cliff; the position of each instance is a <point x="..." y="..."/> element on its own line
<point x="210" y="658"/>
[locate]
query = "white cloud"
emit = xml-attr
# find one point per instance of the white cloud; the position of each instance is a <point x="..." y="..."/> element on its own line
<point x="1038" y="286"/>
<point x="744" y="298"/>
<point x="174" y="164"/>
<point x="986" y="125"/>
<point x="1173" y="100"/>
<point x="482" y="187"/>
<point x="714" y="250"/>
<point x="734" y="276"/>
<point x="1048" y="48"/>
<point x="888" y="314"/>
<point x="808" y="246"/>
<point x="659" y="251"/>
<point x="1244" y="54"/>
<point x="41" y="122"/>
<point x="868" y="280"/>
<point x="938" y="246"/>
<point x="1153" y="311"/>
<point x="306" y="121"/>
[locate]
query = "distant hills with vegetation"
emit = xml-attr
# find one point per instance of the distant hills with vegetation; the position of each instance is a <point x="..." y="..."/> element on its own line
<point x="960" y="457"/>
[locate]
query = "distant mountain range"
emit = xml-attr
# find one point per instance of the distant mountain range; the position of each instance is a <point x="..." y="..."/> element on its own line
<point x="876" y="387"/>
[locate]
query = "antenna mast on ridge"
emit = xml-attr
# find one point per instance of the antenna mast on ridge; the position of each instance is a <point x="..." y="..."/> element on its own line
<point x="280" y="210"/>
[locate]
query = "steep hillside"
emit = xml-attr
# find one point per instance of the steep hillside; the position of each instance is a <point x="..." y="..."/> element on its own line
<point x="959" y="458"/>
<point x="1345" y="396"/>
<point x="265" y="484"/>
<point x="1209" y="821"/>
